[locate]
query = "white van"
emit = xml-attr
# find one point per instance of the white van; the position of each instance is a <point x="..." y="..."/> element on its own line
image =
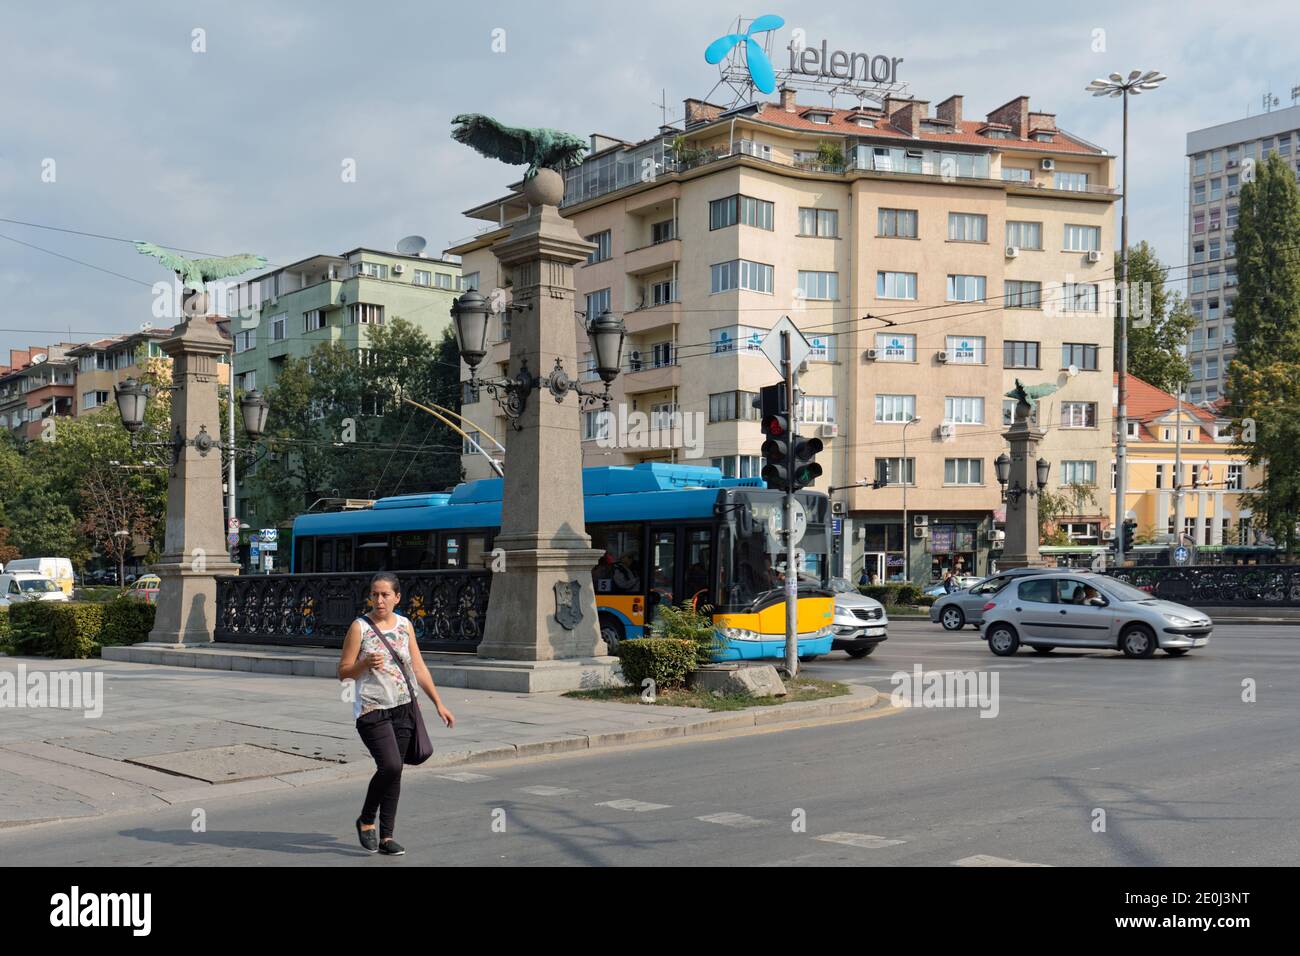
<point x="28" y="586"/>
<point x="59" y="570"/>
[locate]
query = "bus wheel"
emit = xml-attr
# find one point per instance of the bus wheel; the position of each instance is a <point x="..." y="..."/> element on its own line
<point x="611" y="632"/>
<point x="809" y="657"/>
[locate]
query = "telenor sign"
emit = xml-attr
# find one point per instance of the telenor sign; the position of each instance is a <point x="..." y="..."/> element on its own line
<point x="844" y="66"/>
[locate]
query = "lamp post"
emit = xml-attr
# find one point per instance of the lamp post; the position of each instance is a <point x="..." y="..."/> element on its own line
<point x="194" y="546"/>
<point x="907" y="534"/>
<point x="1116" y="85"/>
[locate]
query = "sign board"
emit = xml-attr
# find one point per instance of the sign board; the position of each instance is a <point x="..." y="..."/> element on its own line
<point x="270" y="546"/>
<point x="800" y="348"/>
<point x="232" y="526"/>
<point x="268" y="563"/>
<point x="1181" y="555"/>
<point x="270" y="534"/>
<point x="837" y="526"/>
<point x="254" y="551"/>
<point x="232" y="539"/>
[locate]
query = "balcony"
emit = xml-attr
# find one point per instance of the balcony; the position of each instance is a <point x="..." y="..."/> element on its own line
<point x="652" y="258"/>
<point x="651" y="379"/>
<point x="653" y="318"/>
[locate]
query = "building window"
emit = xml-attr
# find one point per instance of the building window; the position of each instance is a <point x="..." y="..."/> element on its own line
<point x="748" y="147"/>
<point x="1023" y="295"/>
<point x="1079" y="354"/>
<point x="365" y="314"/>
<point x="1025" y="235"/>
<point x="963" y="410"/>
<point x="244" y="341"/>
<point x="469" y="281"/>
<point x="897" y="224"/>
<point x="963" y="471"/>
<point x="891" y="347"/>
<point x="823" y="223"/>
<point x="740" y="274"/>
<point x="965" y="349"/>
<point x="662" y="292"/>
<point x="896" y="471"/>
<point x="1009" y="412"/>
<point x="1160" y="476"/>
<point x="1235" y="481"/>
<point x="895" y="285"/>
<point x="819" y="285"/>
<point x="443" y="280"/>
<point x="740" y="209"/>
<point x="968" y="227"/>
<point x="1078" y="414"/>
<point x="733" y="406"/>
<point x="601" y="252"/>
<point x="597" y="303"/>
<point x="1074" y="182"/>
<point x="1019" y="354"/>
<point x="1078" y="473"/>
<point x="1012" y="174"/>
<point x="469" y="393"/>
<point x="822" y="348"/>
<point x="247" y="381"/>
<point x="739" y="466"/>
<point x="965" y="288"/>
<point x="1079" y="297"/>
<point x="662" y="231"/>
<point x="313" y="319"/>
<point x="733" y="338"/>
<point x="817" y="410"/>
<point x="422" y="277"/>
<point x="661" y="354"/>
<point x="894" y="409"/>
<point x="277" y="327"/>
<point x="595" y="426"/>
<point x="94" y="399"/>
<point x="1082" y="238"/>
<point x="375" y="270"/>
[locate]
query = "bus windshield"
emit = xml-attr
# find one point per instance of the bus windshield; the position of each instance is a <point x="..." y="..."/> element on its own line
<point x="755" y="549"/>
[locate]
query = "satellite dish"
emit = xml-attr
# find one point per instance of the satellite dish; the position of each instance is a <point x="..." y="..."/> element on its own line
<point x="412" y="246"/>
<point x="38" y="358"/>
<point x="1073" y="370"/>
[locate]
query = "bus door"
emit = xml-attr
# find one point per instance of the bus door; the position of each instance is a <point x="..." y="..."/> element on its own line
<point x="664" y="569"/>
<point x="680" y="565"/>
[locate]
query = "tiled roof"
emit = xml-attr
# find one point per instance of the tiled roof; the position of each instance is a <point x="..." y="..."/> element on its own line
<point x="968" y="134"/>
<point x="1146" y="404"/>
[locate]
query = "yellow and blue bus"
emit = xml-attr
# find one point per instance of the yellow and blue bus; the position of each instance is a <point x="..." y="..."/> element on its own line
<point x="668" y="534"/>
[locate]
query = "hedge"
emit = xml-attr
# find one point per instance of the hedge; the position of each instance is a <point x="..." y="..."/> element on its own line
<point x="895" y="593"/>
<point x="663" y="660"/>
<point x="77" y="628"/>
<point x="4" y="631"/>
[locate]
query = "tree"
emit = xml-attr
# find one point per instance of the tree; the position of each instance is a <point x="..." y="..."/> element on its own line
<point x="1159" y="322"/>
<point x="1052" y="506"/>
<point x="114" y="513"/>
<point x="1263" y="382"/>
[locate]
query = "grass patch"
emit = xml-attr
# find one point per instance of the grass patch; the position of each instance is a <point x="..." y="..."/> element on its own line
<point x="801" y="688"/>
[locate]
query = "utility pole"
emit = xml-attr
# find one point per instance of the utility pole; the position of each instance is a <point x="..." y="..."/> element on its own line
<point x="1179" y="504"/>
<point x="230" y="470"/>
<point x="791" y="572"/>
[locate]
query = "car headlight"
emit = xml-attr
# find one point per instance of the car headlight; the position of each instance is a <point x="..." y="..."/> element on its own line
<point x="738" y="634"/>
<point x="1175" y="619"/>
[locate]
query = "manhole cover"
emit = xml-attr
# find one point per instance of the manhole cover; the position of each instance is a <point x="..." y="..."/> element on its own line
<point x="227" y="764"/>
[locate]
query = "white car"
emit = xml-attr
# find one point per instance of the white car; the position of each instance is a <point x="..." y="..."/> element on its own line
<point x="27" y="586"/>
<point x="860" y="622"/>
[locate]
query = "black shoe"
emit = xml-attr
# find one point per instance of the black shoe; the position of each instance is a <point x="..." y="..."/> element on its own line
<point x="369" y="838"/>
<point x="392" y="847"/>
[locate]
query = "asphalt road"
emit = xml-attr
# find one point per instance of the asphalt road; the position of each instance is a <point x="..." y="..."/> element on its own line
<point x="1184" y="771"/>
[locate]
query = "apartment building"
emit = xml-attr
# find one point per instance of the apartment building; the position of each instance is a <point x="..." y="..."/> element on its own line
<point x="931" y="259"/>
<point x="333" y="298"/>
<point x="38" y="383"/>
<point x="1216" y="159"/>
<point x="1215" y="480"/>
<point x="104" y="364"/>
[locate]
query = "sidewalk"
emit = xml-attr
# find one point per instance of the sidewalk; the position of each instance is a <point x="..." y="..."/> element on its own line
<point x="180" y="735"/>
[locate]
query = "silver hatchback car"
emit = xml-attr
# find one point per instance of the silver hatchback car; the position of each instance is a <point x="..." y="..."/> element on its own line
<point x="1085" y="610"/>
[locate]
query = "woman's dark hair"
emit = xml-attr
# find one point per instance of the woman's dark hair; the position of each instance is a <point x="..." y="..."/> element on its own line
<point x="388" y="577"/>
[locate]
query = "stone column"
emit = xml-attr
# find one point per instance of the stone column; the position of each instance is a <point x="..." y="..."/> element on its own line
<point x="542" y="606"/>
<point x="1020" y="550"/>
<point x="194" y="549"/>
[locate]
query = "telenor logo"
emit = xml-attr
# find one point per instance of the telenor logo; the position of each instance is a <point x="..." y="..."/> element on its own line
<point x="760" y="67"/>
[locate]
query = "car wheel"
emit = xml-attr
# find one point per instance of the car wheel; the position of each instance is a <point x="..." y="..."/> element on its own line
<point x="857" y="653"/>
<point x="1176" y="651"/>
<point x="1043" y="649"/>
<point x="1003" y="640"/>
<point x="1137" y="641"/>
<point x="611" y="632"/>
<point x="952" y="619"/>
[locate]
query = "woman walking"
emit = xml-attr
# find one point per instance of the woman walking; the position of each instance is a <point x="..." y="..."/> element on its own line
<point x="378" y="653"/>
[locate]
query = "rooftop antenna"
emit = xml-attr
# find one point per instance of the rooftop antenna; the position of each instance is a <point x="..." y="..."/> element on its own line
<point x="663" y="107"/>
<point x="412" y="246"/>
<point x="1295" y="94"/>
<point x="1270" y="101"/>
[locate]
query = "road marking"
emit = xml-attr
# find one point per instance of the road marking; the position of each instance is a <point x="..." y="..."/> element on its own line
<point x="983" y="859"/>
<point x="738" y="820"/>
<point x="864" y="840"/>
<point x="465" y="777"/>
<point x="635" y="806"/>
<point x="547" y="791"/>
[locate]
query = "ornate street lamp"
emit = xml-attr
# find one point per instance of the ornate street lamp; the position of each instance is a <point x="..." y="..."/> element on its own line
<point x="132" y="398"/>
<point x="255" y="409"/>
<point x="1002" y="468"/>
<point x="133" y="401"/>
<point x="605" y="333"/>
<point x="1043" y="466"/>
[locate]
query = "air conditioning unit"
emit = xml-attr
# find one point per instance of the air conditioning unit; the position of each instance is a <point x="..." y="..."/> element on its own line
<point x="828" y="431"/>
<point x="999" y="535"/>
<point x="920" y="532"/>
<point x="920" y="521"/>
<point x="1230" y="281"/>
<point x="1012" y="252"/>
<point x="1094" y="255"/>
<point x="871" y="355"/>
<point x="941" y="356"/>
<point x="1047" y="164"/>
<point x="1231" y="193"/>
<point x="634" y="360"/>
<point x="947" y="430"/>
<point x="1232" y="163"/>
<point x="1108" y="534"/>
<point x="398" y="269"/>
<point x="837" y="507"/>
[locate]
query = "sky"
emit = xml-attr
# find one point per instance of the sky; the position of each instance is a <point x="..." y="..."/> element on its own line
<point x="120" y="119"/>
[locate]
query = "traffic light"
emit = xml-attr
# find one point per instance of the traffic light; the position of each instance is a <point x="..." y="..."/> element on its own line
<point x="1127" y="532"/>
<point x="776" y="450"/>
<point x="882" y="475"/>
<point x="806" y="470"/>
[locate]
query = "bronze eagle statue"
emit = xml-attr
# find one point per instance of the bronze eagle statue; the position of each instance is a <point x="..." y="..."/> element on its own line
<point x="195" y="273"/>
<point x="539" y="148"/>
<point x="1030" y="394"/>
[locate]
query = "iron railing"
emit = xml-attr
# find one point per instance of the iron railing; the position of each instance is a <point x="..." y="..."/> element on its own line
<point x="1255" y="585"/>
<point x="447" y="608"/>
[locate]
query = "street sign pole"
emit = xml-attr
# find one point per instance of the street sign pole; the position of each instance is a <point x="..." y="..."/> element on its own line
<point x="791" y="572"/>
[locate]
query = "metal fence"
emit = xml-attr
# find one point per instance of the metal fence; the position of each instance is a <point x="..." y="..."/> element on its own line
<point x="447" y="608"/>
<point x="1254" y="585"/>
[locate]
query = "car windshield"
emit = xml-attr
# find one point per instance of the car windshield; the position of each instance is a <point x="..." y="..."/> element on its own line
<point x="38" y="585"/>
<point x="838" y="585"/>
<point x="1125" y="592"/>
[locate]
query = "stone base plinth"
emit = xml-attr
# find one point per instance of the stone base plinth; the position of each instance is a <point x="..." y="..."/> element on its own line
<point x="187" y="601"/>
<point x="522" y="622"/>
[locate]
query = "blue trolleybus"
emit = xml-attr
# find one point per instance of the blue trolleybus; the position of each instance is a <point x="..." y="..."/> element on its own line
<point x="669" y="534"/>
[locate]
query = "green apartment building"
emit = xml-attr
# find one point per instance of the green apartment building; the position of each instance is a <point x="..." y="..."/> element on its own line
<point x="326" y="298"/>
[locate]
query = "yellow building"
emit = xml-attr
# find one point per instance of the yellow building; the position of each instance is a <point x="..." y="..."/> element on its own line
<point x="104" y="364"/>
<point x="932" y="259"/>
<point x="1215" y="478"/>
